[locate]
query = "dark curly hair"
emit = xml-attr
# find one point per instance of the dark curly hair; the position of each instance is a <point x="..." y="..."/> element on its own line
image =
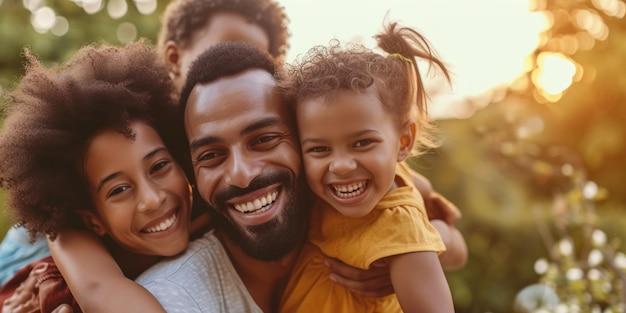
<point x="183" y="17"/>
<point x="395" y="75"/>
<point x="222" y="60"/>
<point x="53" y="113"/>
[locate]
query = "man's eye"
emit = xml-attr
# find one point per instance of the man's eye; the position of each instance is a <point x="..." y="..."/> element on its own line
<point x="265" y="139"/>
<point x="208" y="156"/>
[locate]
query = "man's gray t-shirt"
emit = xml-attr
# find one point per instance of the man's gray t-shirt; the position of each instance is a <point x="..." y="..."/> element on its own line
<point x="202" y="279"/>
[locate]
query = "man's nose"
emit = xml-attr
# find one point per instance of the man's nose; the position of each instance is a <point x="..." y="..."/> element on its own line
<point x="242" y="168"/>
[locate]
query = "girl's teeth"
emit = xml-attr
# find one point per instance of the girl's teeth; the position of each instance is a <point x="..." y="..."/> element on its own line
<point x="165" y="225"/>
<point x="349" y="191"/>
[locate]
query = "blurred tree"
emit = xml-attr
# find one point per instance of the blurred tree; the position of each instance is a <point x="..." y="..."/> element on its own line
<point x="565" y="115"/>
<point x="588" y="115"/>
<point x="54" y="30"/>
<point x="583" y="272"/>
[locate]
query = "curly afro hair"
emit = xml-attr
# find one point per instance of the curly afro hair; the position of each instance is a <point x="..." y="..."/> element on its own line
<point x="183" y="17"/>
<point x="394" y="74"/>
<point x="54" y="112"/>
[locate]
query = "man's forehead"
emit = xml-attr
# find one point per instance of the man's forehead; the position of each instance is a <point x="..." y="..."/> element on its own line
<point x="251" y="76"/>
<point x="249" y="95"/>
<point x="250" y="83"/>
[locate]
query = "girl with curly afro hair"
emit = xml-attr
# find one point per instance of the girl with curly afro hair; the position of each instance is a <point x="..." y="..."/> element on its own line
<point x="86" y="146"/>
<point x="360" y="113"/>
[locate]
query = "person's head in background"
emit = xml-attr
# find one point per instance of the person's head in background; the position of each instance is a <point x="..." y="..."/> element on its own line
<point x="189" y="27"/>
<point x="91" y="138"/>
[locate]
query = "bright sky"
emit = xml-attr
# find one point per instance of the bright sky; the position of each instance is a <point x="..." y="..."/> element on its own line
<point x="485" y="42"/>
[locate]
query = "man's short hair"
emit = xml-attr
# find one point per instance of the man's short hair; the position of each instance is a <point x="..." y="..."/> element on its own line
<point x="222" y="60"/>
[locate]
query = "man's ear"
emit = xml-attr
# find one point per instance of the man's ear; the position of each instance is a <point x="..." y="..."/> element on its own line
<point x="407" y="140"/>
<point x="92" y="221"/>
<point x="171" y="57"/>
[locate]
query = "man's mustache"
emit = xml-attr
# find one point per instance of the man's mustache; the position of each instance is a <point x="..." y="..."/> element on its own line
<point x="265" y="179"/>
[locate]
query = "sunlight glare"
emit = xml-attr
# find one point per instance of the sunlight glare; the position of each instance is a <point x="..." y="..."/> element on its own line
<point x="32" y="5"/>
<point x="92" y="6"/>
<point x="595" y="258"/>
<point x="620" y="260"/>
<point x="598" y="237"/>
<point x="146" y="7"/>
<point x="555" y="73"/>
<point x="126" y="32"/>
<point x="541" y="266"/>
<point x="612" y="8"/>
<point x="117" y="8"/>
<point x="574" y="273"/>
<point x="43" y="19"/>
<point x="591" y="22"/>
<point x="484" y="42"/>
<point x="61" y="26"/>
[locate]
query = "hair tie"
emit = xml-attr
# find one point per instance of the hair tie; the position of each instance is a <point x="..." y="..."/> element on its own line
<point x="399" y="57"/>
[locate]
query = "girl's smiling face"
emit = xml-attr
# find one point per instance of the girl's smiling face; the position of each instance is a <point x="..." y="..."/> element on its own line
<point x="141" y="197"/>
<point x="350" y="147"/>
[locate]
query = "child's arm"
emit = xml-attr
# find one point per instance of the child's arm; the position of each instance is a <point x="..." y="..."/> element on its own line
<point x="443" y="214"/>
<point x="420" y="283"/>
<point x="95" y="279"/>
<point x="455" y="256"/>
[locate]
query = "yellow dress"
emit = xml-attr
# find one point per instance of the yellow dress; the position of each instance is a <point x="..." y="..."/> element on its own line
<point x="398" y="224"/>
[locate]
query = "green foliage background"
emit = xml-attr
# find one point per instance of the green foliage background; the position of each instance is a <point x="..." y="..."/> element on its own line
<point x="504" y="183"/>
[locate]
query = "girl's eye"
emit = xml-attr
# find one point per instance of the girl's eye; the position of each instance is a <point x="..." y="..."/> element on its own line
<point x="363" y="143"/>
<point x="318" y="149"/>
<point x="159" y="166"/>
<point x="117" y="190"/>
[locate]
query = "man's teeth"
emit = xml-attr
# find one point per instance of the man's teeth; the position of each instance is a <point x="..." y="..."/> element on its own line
<point x="258" y="205"/>
<point x="165" y="225"/>
<point x="350" y="190"/>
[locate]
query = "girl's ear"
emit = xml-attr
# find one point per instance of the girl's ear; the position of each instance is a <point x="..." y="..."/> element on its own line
<point x="407" y="140"/>
<point x="93" y="222"/>
<point x="171" y="57"/>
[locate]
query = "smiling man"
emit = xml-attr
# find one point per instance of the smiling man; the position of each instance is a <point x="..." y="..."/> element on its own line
<point x="246" y="163"/>
<point x="248" y="168"/>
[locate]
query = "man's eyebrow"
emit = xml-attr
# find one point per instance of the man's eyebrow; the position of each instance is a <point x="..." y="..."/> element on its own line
<point x="266" y="122"/>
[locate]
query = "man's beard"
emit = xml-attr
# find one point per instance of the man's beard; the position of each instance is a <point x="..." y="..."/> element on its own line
<point x="274" y="239"/>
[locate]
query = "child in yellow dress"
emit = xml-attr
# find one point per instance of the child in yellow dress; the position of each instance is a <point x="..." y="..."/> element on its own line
<point x="360" y="114"/>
